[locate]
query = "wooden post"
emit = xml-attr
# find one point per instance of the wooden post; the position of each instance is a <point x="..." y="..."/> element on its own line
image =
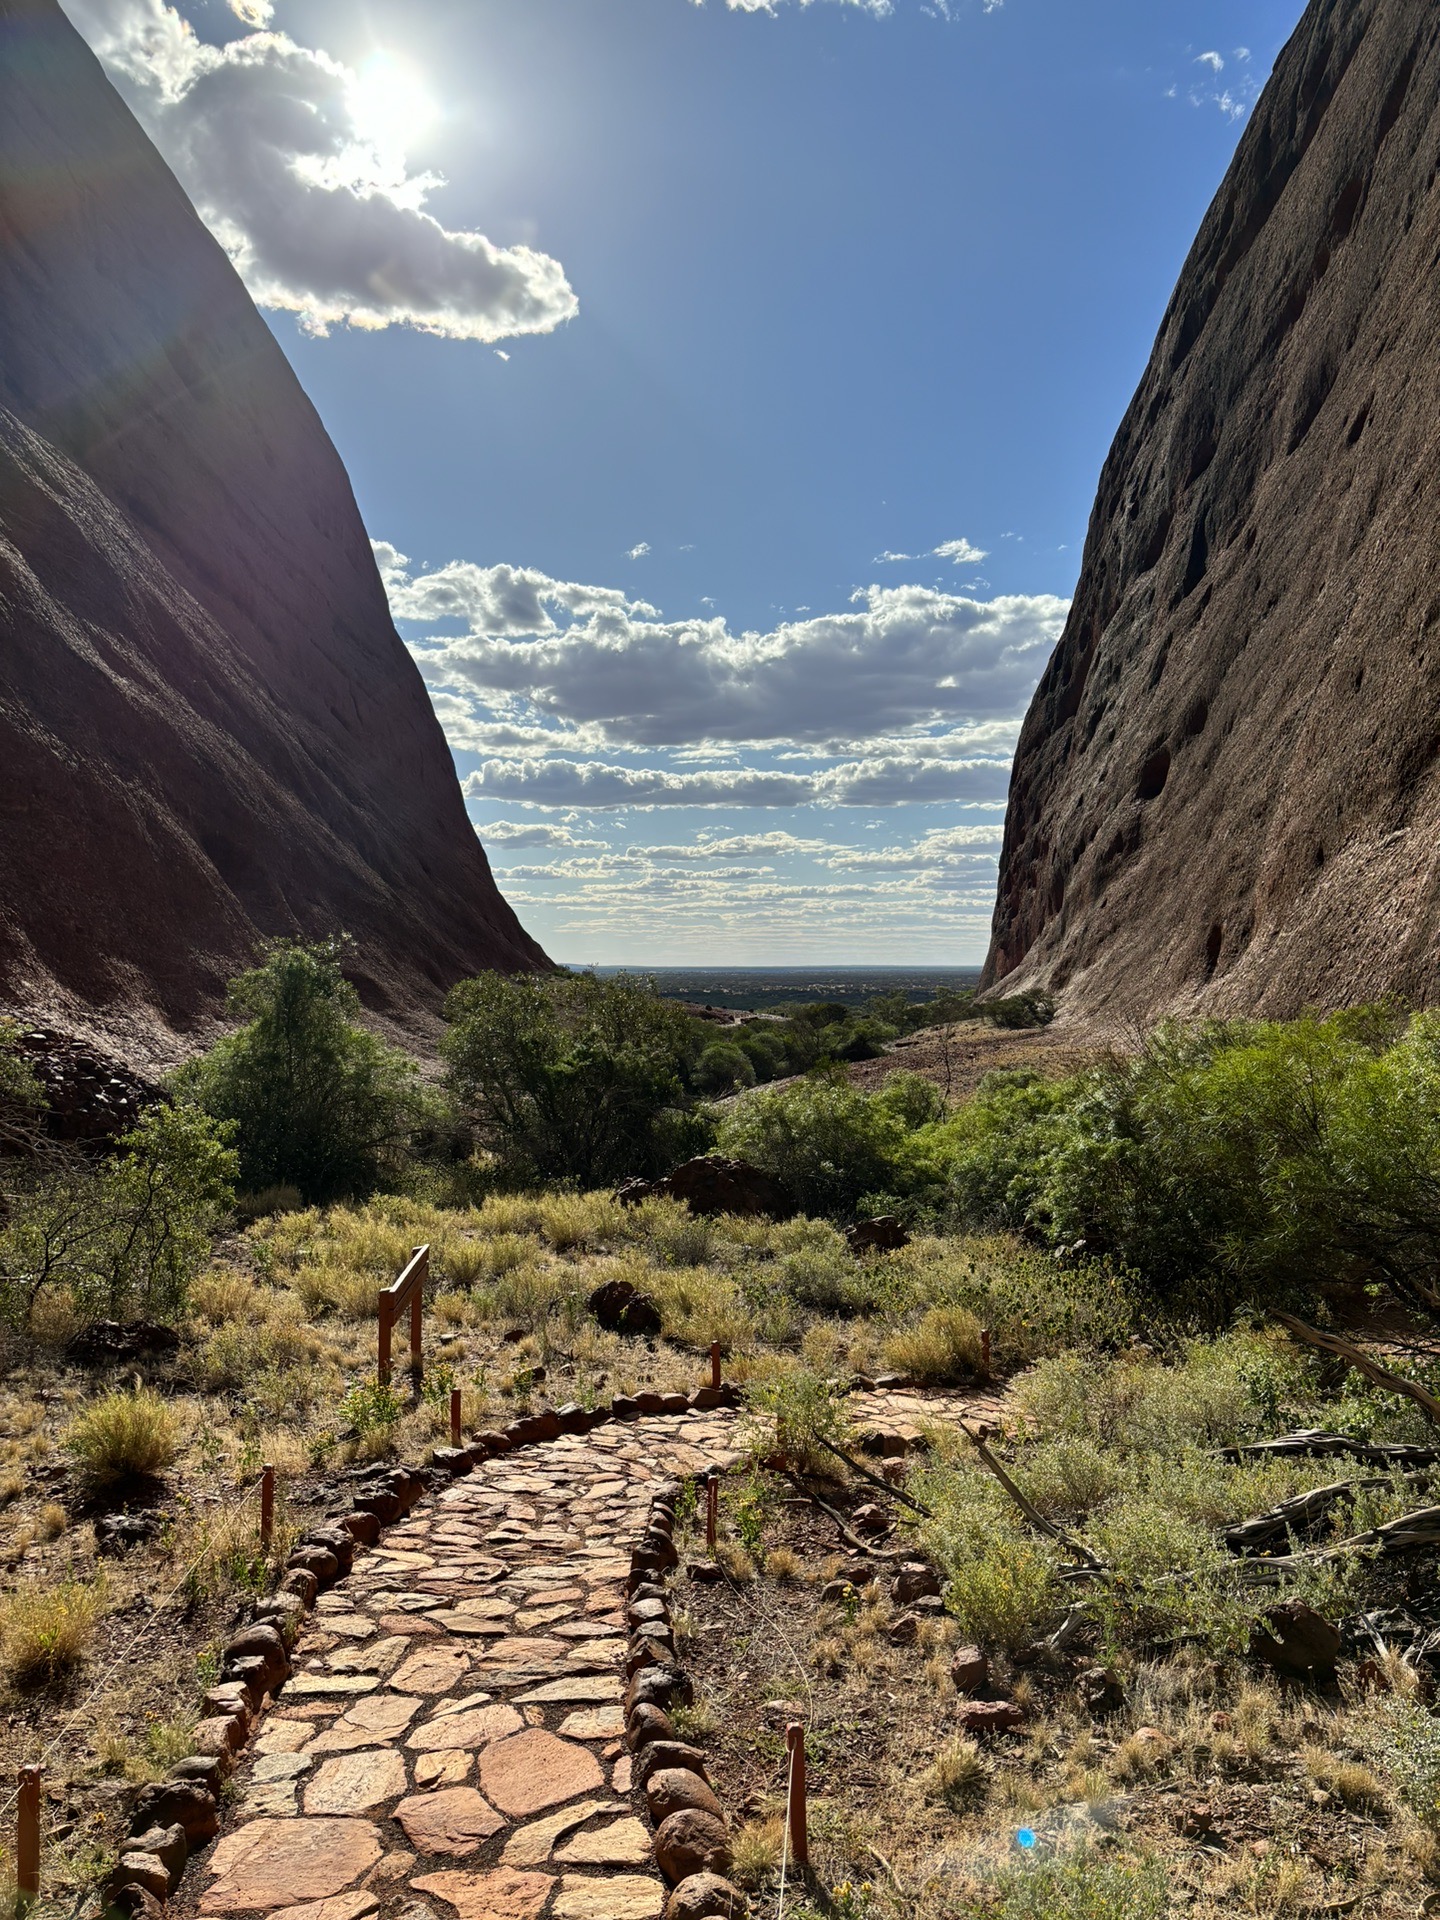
<point x="712" y="1511"/>
<point x="422" y="1256"/>
<point x="715" y="1363"/>
<point x="387" y="1320"/>
<point x="267" y="1506"/>
<point x="27" y="1836"/>
<point x="455" y="1416"/>
<point x="799" y="1829"/>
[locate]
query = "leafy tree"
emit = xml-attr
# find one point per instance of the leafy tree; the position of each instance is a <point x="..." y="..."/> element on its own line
<point x="317" y="1103"/>
<point x="569" y="1077"/>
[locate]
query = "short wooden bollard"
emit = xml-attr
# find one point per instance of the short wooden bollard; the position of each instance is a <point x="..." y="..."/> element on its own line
<point x="27" y="1836"/>
<point x="715" y="1364"/>
<point x="455" y="1416"/>
<point x="799" y="1829"/>
<point x="267" y="1506"/>
<point x="712" y="1511"/>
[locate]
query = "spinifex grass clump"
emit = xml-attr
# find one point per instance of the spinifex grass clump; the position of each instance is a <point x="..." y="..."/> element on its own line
<point x="122" y="1436"/>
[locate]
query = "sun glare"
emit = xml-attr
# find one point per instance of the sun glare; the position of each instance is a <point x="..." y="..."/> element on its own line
<point x="390" y="103"/>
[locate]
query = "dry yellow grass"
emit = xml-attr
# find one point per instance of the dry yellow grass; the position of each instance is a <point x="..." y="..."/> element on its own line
<point x="46" y="1632"/>
<point x="123" y="1436"/>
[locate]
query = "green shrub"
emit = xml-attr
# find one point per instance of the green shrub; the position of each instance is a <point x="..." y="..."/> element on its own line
<point x="1227" y="1162"/>
<point x="944" y="1345"/>
<point x="22" y="1098"/>
<point x="317" y="1103"/>
<point x="825" y="1142"/>
<point x="722" y="1067"/>
<point x="570" y="1077"/>
<point x="122" y="1436"/>
<point x="123" y="1237"/>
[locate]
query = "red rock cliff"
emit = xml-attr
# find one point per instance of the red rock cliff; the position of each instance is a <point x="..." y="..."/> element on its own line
<point x="210" y="731"/>
<point x="1227" y="791"/>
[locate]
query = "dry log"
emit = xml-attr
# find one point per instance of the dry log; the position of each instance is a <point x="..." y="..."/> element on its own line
<point x="1408" y="1530"/>
<point x="895" y="1493"/>
<point x="1301" y="1510"/>
<point x="1399" y="1453"/>
<point x="1371" y="1370"/>
<point x="1032" y="1513"/>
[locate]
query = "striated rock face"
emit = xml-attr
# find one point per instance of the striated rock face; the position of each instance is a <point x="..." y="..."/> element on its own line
<point x="209" y="729"/>
<point x="1227" y="792"/>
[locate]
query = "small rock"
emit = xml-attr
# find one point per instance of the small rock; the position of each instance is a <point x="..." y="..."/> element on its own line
<point x="903" y="1630"/>
<point x="1101" y="1690"/>
<point x="990" y="1716"/>
<point x="142" y="1870"/>
<point x="870" y="1519"/>
<point x="913" y="1581"/>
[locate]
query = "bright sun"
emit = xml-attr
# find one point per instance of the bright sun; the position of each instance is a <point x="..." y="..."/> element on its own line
<point x="389" y="102"/>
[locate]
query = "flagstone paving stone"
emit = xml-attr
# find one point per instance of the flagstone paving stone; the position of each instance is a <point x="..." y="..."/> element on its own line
<point x="438" y="1752"/>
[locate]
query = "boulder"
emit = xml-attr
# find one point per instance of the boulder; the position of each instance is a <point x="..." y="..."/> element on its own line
<point x="713" y="1185"/>
<point x="168" y="1845"/>
<point x="108" y="1343"/>
<point x="673" y="1789"/>
<point x="177" y="1803"/>
<point x="706" y="1896"/>
<point x="622" y="1307"/>
<point x="145" y="1871"/>
<point x="1297" y="1640"/>
<point x="885" y="1233"/>
<point x="692" y="1842"/>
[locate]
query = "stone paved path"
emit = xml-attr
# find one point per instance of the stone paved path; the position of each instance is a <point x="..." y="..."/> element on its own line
<point x="450" y="1740"/>
<point x="893" y="1420"/>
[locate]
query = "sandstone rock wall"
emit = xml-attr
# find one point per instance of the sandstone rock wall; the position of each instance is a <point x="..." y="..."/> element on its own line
<point x="1227" y="792"/>
<point x="209" y="729"/>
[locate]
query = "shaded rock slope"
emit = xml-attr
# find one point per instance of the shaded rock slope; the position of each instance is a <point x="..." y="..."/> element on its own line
<point x="210" y="731"/>
<point x="1227" y="793"/>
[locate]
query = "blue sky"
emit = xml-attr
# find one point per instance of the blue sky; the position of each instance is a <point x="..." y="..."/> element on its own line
<point x="725" y="387"/>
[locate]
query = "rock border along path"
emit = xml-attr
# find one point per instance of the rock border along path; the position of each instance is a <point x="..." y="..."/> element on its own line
<point x="451" y="1741"/>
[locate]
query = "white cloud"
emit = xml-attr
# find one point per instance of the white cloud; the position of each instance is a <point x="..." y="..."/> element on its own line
<point x="297" y="163"/>
<point x="888" y="559"/>
<point x="1214" y="61"/>
<point x="532" y="833"/>
<point x="638" y="551"/>
<point x="1242" y="53"/>
<point x="962" y="552"/>
<point x="903" y="658"/>
<point x="879" y="8"/>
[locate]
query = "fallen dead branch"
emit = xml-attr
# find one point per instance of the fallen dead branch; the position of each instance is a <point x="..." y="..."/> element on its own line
<point x="1291" y="1516"/>
<point x="1369" y="1369"/>
<point x="1031" y="1512"/>
<point x="867" y="1547"/>
<point x="1314" y="1440"/>
<point x="1407" y="1531"/>
<point x="895" y="1493"/>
